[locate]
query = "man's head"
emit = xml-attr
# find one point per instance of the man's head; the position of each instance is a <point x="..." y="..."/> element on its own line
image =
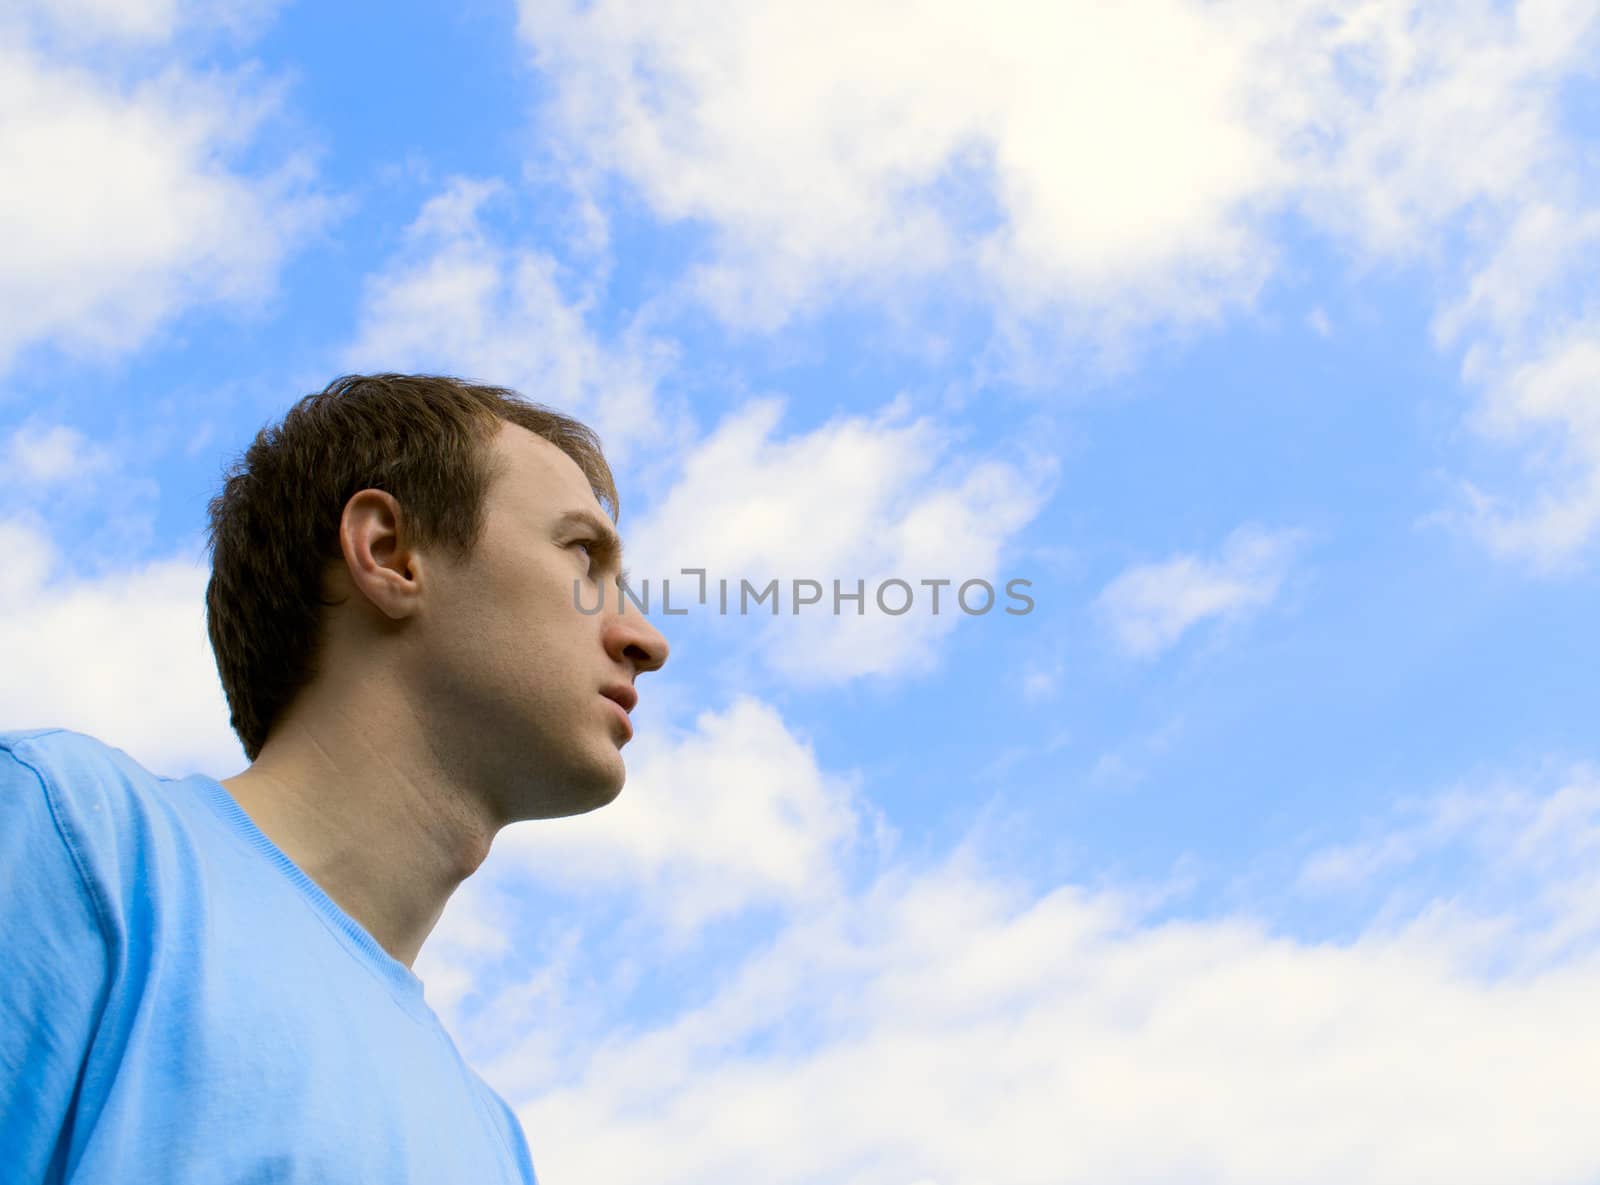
<point x="428" y="532"/>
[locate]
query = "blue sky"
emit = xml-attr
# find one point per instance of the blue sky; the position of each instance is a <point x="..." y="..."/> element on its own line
<point x="1263" y="339"/>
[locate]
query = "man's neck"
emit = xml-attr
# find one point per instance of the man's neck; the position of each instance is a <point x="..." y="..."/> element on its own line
<point x="381" y="831"/>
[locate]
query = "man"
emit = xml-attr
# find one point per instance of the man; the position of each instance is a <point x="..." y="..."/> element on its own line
<point x="210" y="981"/>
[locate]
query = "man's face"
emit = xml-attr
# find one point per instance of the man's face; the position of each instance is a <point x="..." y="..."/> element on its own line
<point x="521" y="688"/>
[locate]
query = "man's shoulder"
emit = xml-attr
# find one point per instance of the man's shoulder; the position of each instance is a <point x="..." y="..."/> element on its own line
<point x="510" y="1127"/>
<point x="95" y="795"/>
<point x="72" y="763"/>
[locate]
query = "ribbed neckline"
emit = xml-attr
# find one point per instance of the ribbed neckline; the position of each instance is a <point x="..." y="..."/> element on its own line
<point x="407" y="988"/>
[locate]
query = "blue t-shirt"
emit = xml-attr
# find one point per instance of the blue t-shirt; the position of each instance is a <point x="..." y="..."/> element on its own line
<point x="180" y="1003"/>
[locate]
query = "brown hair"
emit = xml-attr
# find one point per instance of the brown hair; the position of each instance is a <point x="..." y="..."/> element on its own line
<point x="275" y="523"/>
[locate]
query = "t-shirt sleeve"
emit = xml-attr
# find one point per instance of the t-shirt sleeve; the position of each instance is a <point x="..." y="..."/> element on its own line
<point x="54" y="968"/>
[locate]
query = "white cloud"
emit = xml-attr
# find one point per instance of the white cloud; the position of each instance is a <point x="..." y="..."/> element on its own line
<point x="1532" y="855"/>
<point x="140" y="23"/>
<point x="1150" y="606"/>
<point x="1546" y="252"/>
<point x="1421" y="111"/>
<point x="732" y="814"/>
<point x="1092" y="170"/>
<point x="819" y="156"/>
<point x="1040" y="683"/>
<point x="1129" y="762"/>
<point x="859" y="501"/>
<point x="457" y="300"/>
<point x="35" y="455"/>
<point x="949" y="1025"/>
<point x="122" y="656"/>
<point x="59" y="480"/>
<point x="1529" y="316"/>
<point x="1553" y="398"/>
<point x="925" y="139"/>
<point x="121" y="207"/>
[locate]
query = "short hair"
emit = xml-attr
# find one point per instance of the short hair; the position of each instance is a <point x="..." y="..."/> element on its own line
<point x="274" y="527"/>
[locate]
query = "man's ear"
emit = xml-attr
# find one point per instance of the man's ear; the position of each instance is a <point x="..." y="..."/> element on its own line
<point x="379" y="557"/>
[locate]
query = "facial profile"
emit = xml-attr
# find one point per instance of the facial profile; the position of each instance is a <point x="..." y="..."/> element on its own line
<point x="530" y="694"/>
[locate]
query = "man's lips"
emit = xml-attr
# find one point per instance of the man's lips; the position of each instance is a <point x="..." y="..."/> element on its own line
<point x="621" y="694"/>
<point x="625" y="697"/>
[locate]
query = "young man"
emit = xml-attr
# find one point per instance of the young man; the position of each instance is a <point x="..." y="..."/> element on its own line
<point x="210" y="981"/>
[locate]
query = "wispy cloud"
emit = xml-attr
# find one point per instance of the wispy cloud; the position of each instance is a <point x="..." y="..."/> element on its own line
<point x="1148" y="608"/>
<point x="859" y="500"/>
<point x="910" y="149"/>
<point x="1529" y="852"/>
<point x="77" y="648"/>
<point x="818" y="158"/>
<point x="126" y="200"/>
<point x="1548" y="401"/>
<point x="37" y="455"/>
<point x="975" y="159"/>
<point x="947" y="1023"/>
<point x="138" y="23"/>
<point x="459" y="299"/>
<point x="735" y="812"/>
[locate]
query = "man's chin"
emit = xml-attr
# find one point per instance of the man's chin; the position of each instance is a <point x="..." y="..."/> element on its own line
<point x="603" y="795"/>
<point x="580" y="794"/>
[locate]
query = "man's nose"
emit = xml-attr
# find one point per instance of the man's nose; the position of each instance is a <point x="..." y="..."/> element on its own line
<point x="631" y="639"/>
